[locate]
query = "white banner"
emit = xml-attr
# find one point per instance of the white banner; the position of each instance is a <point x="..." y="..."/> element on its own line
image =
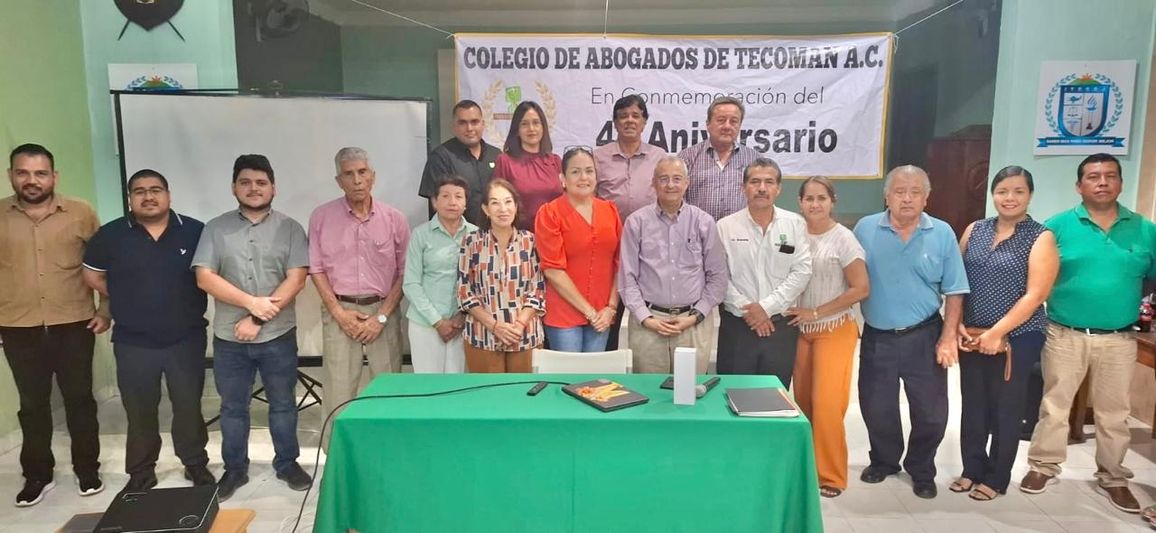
<point x="817" y="105"/>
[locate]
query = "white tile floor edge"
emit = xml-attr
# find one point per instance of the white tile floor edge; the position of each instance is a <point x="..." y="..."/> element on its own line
<point x="1072" y="505"/>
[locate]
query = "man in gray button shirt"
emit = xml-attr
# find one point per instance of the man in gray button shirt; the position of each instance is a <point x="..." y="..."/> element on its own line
<point x="253" y="262"/>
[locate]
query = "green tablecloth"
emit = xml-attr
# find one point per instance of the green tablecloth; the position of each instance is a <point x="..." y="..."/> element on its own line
<point x="498" y="460"/>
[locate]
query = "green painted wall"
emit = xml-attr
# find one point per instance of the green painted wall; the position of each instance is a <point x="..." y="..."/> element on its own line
<point x="1058" y="30"/>
<point x="42" y="93"/>
<point x="207" y="26"/>
<point x="42" y="100"/>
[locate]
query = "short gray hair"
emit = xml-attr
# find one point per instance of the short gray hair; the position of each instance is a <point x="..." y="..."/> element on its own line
<point x="726" y="100"/>
<point x="350" y="153"/>
<point x="906" y="169"/>
<point x="672" y="158"/>
<point x="763" y="162"/>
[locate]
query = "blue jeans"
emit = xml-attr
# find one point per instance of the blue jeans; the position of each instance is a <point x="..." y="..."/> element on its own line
<point x="576" y="339"/>
<point x="235" y="366"/>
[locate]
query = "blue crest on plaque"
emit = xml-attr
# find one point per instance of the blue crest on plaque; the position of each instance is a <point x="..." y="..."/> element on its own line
<point x="1081" y="110"/>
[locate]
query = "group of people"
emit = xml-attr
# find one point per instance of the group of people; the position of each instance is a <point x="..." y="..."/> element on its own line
<point x="526" y="248"/>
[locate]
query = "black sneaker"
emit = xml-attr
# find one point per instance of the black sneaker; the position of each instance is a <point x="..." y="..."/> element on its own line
<point x="89" y="484"/>
<point x="141" y="482"/>
<point x="33" y="492"/>
<point x="295" y="477"/>
<point x="199" y="475"/>
<point x="229" y="484"/>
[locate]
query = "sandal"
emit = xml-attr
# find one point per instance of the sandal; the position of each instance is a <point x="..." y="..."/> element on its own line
<point x="983" y="493"/>
<point x="961" y="485"/>
<point x="1149" y="513"/>
<point x="829" y="492"/>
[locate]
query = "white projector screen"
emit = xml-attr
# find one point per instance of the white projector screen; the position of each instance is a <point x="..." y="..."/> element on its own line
<point x="193" y="139"/>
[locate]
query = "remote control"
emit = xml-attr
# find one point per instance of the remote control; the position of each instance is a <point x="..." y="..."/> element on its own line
<point x="536" y="389"/>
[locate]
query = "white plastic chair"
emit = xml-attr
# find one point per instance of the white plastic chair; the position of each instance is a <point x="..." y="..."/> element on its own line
<point x="555" y="362"/>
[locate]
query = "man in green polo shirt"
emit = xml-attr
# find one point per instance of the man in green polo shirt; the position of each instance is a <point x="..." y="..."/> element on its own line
<point x="1106" y="251"/>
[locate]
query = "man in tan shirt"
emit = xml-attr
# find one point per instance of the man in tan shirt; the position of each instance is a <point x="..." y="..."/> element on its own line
<point x="47" y="319"/>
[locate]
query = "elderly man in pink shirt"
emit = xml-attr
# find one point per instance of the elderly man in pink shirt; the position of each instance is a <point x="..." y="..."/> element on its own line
<point x="356" y="259"/>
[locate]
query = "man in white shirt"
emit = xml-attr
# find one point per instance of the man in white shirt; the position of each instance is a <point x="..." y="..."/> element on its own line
<point x="769" y="265"/>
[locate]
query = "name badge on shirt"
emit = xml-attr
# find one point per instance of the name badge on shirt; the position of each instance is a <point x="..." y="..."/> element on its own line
<point x="783" y="246"/>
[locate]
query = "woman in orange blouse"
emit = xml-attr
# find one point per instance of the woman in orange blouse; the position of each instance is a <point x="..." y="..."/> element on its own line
<point x="578" y="238"/>
<point x="500" y="287"/>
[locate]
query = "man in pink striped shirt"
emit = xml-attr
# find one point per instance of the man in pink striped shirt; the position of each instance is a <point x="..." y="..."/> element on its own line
<point x="356" y="259"/>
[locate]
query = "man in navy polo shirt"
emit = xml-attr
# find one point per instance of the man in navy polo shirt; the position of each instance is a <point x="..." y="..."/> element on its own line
<point x="915" y="266"/>
<point x="142" y="263"/>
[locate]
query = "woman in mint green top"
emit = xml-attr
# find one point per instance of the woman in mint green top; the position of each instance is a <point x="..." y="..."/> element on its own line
<point x="431" y="274"/>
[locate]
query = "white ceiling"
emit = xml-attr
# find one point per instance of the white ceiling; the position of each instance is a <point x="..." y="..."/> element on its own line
<point x="624" y="15"/>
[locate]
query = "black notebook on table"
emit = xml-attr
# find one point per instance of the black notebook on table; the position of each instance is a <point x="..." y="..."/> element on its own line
<point x="770" y="402"/>
<point x="604" y="394"/>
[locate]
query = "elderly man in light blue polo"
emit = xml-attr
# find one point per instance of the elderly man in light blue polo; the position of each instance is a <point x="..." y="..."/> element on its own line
<point x="915" y="266"/>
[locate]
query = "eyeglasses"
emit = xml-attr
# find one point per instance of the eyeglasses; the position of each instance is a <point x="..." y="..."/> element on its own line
<point x="153" y="191"/>
<point x="676" y="180"/>
<point x="578" y="148"/>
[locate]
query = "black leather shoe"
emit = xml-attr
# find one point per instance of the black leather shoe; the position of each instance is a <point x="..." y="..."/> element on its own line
<point x="874" y="474"/>
<point x="140" y="482"/>
<point x="229" y="484"/>
<point x="925" y="489"/>
<point x="199" y="475"/>
<point x="295" y="477"/>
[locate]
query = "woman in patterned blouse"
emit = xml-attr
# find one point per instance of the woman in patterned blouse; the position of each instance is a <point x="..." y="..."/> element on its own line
<point x="1011" y="263"/>
<point x="500" y="287"/>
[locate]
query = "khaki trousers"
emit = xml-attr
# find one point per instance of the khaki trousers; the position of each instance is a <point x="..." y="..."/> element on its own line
<point x="1068" y="356"/>
<point x="654" y="353"/>
<point x="342" y="356"/>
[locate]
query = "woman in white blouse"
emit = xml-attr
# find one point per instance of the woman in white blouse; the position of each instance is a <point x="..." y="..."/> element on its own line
<point x="825" y="317"/>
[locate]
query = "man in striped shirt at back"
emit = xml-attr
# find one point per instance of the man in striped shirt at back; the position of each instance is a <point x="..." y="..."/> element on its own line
<point x="716" y="165"/>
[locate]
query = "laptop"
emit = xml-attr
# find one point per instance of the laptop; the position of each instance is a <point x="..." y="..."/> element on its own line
<point x="176" y="510"/>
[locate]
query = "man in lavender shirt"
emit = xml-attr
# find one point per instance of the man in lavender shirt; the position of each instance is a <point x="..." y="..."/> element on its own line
<point x="625" y="170"/>
<point x="715" y="166"/>
<point x="356" y="259"/>
<point x="673" y="274"/>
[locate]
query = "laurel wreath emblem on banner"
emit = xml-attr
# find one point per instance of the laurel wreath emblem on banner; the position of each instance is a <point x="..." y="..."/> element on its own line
<point x="1118" y="100"/>
<point x="545" y="99"/>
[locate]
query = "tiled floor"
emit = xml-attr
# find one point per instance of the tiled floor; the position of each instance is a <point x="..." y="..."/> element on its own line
<point x="1072" y="505"/>
<point x="265" y="494"/>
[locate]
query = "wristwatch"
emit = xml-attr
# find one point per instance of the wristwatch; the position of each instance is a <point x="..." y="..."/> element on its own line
<point x="382" y="319"/>
<point x="698" y="317"/>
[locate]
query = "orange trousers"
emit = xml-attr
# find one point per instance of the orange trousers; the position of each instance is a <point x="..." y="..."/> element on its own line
<point x="479" y="361"/>
<point x="822" y="387"/>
